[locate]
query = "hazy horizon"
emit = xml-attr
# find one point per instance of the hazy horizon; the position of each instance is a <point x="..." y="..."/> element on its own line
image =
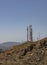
<point x="16" y="15"/>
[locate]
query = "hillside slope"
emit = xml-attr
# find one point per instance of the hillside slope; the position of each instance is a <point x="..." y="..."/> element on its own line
<point x="28" y="53"/>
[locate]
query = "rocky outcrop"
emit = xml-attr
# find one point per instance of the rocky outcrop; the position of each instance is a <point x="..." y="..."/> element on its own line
<point x="25" y="50"/>
<point x="43" y="44"/>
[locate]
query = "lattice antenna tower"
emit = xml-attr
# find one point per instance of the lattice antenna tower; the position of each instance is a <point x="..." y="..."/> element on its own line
<point x="30" y="33"/>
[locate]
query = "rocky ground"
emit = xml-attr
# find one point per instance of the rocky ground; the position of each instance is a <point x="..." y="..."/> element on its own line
<point x="34" y="54"/>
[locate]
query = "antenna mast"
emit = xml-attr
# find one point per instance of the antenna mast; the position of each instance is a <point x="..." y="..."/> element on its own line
<point x="27" y="33"/>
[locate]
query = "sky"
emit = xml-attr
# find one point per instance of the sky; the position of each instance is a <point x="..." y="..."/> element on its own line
<point x="16" y="15"/>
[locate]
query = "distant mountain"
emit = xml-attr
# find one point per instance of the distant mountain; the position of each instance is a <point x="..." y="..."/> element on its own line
<point x="2" y="47"/>
<point x="7" y="45"/>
